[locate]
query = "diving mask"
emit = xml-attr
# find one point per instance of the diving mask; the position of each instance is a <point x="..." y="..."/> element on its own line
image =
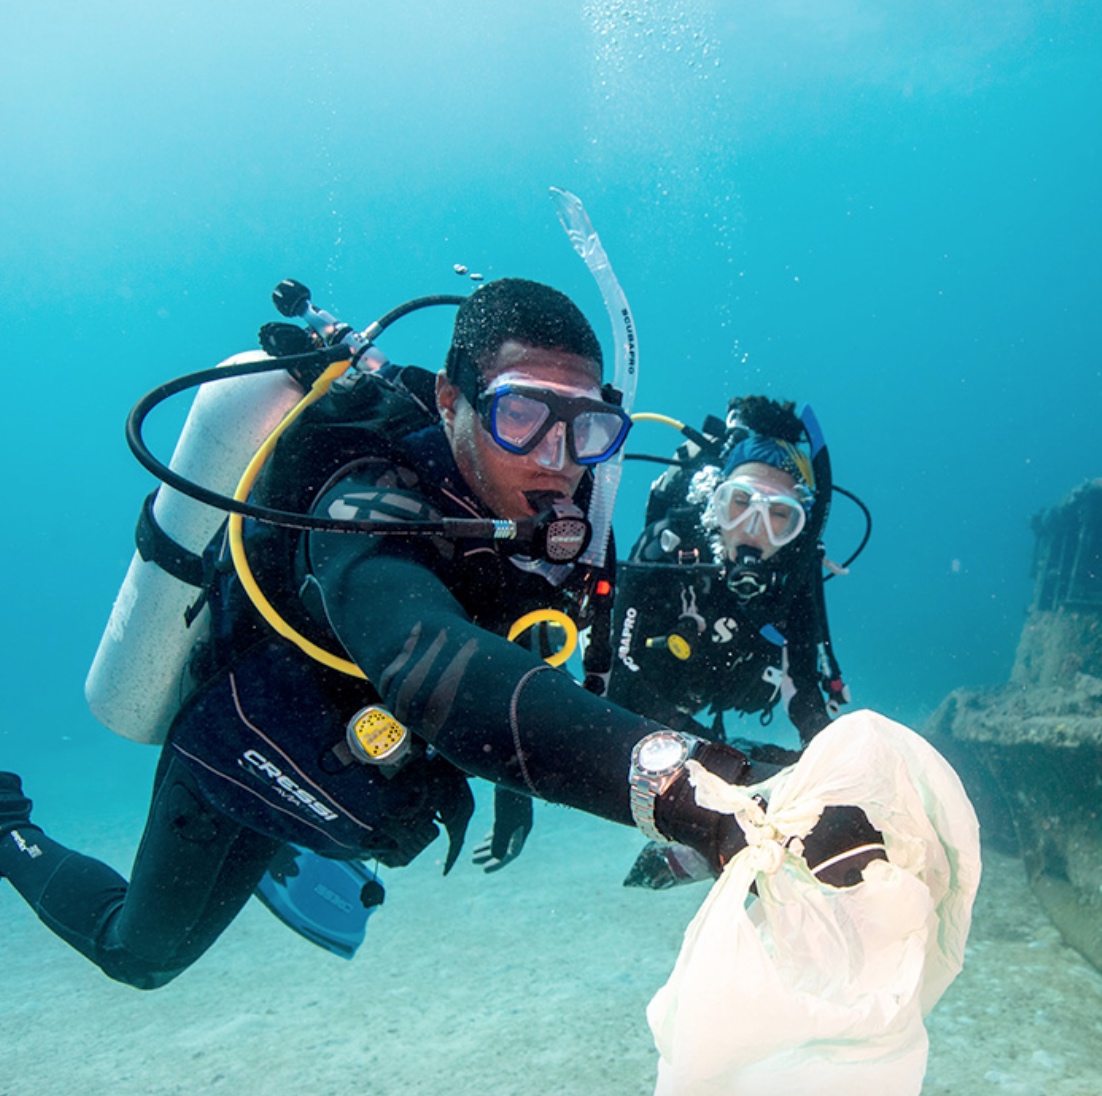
<point x="519" y="416"/>
<point x="755" y="508"/>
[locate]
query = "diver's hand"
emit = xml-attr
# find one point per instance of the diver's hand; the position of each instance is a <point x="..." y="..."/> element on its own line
<point x="512" y="825"/>
<point x="660" y="866"/>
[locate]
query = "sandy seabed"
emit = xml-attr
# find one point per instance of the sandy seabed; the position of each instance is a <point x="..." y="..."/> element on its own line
<point x="530" y="981"/>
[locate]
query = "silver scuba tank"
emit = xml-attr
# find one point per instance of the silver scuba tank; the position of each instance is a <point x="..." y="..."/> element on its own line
<point x="138" y="679"/>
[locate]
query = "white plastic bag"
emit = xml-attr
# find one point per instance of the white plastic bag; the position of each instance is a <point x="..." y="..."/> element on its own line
<point x="810" y="990"/>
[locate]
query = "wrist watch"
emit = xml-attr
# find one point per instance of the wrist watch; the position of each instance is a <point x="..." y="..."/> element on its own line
<point x="656" y="762"/>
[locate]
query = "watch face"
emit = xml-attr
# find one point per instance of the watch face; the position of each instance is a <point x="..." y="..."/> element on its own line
<point x="659" y="753"/>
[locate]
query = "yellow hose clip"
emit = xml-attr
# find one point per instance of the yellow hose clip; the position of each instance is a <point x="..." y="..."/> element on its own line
<point x="677" y="645"/>
<point x="548" y="616"/>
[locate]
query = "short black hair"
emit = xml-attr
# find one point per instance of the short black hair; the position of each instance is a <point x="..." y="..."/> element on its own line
<point x="529" y="312"/>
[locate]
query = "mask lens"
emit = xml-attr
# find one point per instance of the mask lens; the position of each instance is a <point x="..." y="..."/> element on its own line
<point x="519" y="420"/>
<point x="737" y="503"/>
<point x="516" y="419"/>
<point x="783" y="521"/>
<point x="597" y="435"/>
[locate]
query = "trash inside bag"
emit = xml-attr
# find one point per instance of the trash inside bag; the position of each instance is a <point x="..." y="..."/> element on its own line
<point x="808" y="989"/>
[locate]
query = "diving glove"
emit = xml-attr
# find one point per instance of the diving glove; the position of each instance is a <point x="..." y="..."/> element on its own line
<point x="659" y="866"/>
<point x="15" y="807"/>
<point x="512" y="825"/>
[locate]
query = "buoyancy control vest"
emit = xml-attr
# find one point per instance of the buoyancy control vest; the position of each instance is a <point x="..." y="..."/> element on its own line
<point x="264" y="734"/>
<point x="235" y="728"/>
<point x="364" y="415"/>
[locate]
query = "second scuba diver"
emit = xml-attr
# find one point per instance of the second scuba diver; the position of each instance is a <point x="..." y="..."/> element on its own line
<point x="719" y="607"/>
<point x="258" y="756"/>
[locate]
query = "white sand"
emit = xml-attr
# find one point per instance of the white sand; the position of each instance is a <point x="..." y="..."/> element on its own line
<point x="533" y="980"/>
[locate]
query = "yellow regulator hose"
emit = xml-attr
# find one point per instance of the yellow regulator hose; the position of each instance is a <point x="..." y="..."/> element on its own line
<point x="653" y="416"/>
<point x="237" y="540"/>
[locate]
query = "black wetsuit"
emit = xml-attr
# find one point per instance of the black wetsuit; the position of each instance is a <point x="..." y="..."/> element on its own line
<point x="734" y="656"/>
<point x="254" y="759"/>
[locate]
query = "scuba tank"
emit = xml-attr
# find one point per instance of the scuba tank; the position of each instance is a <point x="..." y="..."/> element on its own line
<point x="138" y="677"/>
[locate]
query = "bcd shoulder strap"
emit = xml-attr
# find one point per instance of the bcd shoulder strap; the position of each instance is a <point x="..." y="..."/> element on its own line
<point x="366" y="414"/>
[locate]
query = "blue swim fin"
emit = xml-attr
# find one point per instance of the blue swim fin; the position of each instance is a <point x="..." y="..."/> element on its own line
<point x="327" y="901"/>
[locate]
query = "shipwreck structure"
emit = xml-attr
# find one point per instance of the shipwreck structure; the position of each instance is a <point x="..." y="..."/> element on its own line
<point x="1040" y="735"/>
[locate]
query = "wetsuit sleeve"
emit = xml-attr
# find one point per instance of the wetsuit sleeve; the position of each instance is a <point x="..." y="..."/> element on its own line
<point x="488" y="706"/>
<point x="806" y="708"/>
<point x="808" y="713"/>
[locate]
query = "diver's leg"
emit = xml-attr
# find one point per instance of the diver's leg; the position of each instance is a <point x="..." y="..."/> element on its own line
<point x="194" y="871"/>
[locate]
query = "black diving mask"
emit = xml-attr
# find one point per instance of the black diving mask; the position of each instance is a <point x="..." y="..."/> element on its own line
<point x="519" y="416"/>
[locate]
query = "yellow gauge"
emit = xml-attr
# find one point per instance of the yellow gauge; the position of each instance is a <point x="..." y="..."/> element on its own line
<point x="376" y="737"/>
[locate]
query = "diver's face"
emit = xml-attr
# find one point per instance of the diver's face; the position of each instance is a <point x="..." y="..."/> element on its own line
<point x="500" y="478"/>
<point x="768" y="481"/>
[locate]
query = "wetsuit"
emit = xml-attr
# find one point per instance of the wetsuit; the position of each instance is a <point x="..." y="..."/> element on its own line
<point x="414" y="614"/>
<point x="437" y="653"/>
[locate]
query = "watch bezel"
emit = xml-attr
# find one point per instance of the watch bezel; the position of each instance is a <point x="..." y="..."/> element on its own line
<point x="648" y="744"/>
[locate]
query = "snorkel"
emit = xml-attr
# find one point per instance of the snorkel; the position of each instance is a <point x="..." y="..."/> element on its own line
<point x="587" y="244"/>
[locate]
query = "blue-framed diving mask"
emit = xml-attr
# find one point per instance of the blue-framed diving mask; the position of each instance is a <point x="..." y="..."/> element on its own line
<point x="520" y="416"/>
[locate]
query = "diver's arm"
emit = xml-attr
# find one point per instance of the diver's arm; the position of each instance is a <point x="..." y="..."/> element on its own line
<point x="806" y="708"/>
<point x="490" y="707"/>
<point x="495" y="711"/>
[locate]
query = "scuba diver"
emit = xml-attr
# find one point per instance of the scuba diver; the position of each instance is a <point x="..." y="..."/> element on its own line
<point x="361" y="669"/>
<point x="720" y="605"/>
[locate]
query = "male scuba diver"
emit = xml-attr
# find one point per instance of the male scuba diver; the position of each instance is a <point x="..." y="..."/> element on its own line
<point x="275" y="748"/>
<point x="720" y="605"/>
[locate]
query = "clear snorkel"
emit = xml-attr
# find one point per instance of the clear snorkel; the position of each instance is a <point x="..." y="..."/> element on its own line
<point x="587" y="244"/>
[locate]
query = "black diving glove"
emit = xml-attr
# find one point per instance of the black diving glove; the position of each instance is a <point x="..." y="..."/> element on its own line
<point x="15" y="807"/>
<point x="658" y="867"/>
<point x="512" y="825"/>
<point x="837" y="849"/>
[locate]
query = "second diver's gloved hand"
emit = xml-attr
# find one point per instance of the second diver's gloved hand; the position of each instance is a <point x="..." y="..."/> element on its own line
<point x="659" y="866"/>
<point x="15" y="807"/>
<point x="512" y="825"/>
<point x="837" y="849"/>
<point x="679" y="818"/>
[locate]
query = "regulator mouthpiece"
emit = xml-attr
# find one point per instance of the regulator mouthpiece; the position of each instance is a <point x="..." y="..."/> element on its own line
<point x="744" y="577"/>
<point x="559" y="533"/>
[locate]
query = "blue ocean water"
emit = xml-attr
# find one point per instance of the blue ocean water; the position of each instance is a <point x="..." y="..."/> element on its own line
<point x="889" y="211"/>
